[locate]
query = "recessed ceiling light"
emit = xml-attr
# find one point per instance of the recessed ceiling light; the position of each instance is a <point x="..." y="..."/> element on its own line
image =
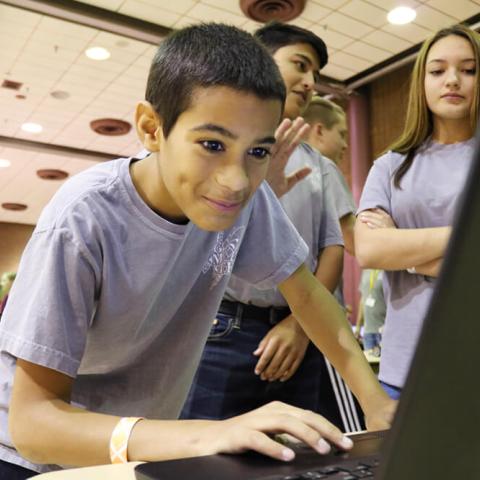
<point x="97" y="53"/>
<point x="32" y="127"/>
<point x="401" y="15"/>
<point x="4" y="163"/>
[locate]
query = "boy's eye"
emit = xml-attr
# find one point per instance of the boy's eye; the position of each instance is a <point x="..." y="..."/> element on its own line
<point x="212" y="145"/>
<point x="470" y="71"/>
<point x="302" y="66"/>
<point x="259" y="152"/>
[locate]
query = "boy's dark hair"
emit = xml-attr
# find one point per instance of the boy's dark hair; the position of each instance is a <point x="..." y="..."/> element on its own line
<point x="208" y="55"/>
<point x="275" y="35"/>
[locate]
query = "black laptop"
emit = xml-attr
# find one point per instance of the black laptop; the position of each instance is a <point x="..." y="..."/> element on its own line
<point x="436" y="431"/>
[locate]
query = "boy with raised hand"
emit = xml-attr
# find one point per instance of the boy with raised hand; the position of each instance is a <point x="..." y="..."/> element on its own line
<point x="257" y="350"/>
<point x="127" y="266"/>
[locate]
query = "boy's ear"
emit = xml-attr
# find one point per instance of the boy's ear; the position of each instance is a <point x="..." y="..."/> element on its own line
<point x="149" y="126"/>
<point x="319" y="129"/>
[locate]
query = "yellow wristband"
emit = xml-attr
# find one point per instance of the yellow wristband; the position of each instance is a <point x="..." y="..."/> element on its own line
<point x="119" y="439"/>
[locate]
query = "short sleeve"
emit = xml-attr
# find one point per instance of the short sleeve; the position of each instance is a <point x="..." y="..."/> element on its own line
<point x="342" y="196"/>
<point x="377" y="192"/>
<point x="51" y="303"/>
<point x="330" y="231"/>
<point x="271" y="249"/>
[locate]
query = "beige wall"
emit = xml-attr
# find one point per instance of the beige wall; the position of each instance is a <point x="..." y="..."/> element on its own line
<point x="13" y="238"/>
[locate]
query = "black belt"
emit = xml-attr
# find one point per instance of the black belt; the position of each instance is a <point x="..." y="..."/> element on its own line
<point x="240" y="310"/>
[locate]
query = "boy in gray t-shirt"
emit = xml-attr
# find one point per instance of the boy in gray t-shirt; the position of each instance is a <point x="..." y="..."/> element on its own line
<point x="127" y="265"/>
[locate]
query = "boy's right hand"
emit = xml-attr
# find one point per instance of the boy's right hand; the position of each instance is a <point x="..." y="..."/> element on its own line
<point x="288" y="136"/>
<point x="254" y="430"/>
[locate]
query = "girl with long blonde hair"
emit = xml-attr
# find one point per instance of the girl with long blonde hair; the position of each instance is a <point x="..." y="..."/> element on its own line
<point x="417" y="183"/>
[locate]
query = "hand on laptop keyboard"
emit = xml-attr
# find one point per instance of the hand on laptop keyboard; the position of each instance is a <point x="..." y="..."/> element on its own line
<point x="253" y="430"/>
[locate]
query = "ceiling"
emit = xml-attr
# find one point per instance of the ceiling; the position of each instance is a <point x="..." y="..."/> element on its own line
<point x="46" y="54"/>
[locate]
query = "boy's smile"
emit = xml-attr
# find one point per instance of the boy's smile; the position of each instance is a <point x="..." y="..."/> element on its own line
<point x="213" y="160"/>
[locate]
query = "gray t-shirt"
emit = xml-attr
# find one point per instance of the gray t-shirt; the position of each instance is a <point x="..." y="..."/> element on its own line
<point x="118" y="298"/>
<point x="344" y="203"/>
<point x="310" y="207"/>
<point x="428" y="198"/>
<point x="342" y="195"/>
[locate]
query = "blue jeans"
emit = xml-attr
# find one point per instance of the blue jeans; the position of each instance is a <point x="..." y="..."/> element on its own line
<point x="371" y="340"/>
<point x="392" y="391"/>
<point x="225" y="384"/>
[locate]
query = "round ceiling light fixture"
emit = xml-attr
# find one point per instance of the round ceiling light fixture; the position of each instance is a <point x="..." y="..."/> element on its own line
<point x="267" y="10"/>
<point x="4" y="163"/>
<point x="97" y="53"/>
<point x="31" y="127"/>
<point x="52" y="174"/>
<point x="401" y="15"/>
<point x="16" y="207"/>
<point x="110" y="126"/>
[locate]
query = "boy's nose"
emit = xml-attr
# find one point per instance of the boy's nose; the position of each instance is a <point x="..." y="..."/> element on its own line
<point x="233" y="177"/>
<point x="309" y="80"/>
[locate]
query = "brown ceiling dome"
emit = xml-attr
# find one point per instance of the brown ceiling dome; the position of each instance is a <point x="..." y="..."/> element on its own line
<point x="110" y="126"/>
<point x="17" y="207"/>
<point x="267" y="10"/>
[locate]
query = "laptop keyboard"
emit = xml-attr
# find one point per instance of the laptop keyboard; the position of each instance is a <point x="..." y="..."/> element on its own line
<point x="362" y="468"/>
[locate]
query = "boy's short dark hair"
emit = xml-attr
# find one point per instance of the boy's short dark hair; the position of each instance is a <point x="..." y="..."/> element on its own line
<point x="275" y="35"/>
<point x="208" y="55"/>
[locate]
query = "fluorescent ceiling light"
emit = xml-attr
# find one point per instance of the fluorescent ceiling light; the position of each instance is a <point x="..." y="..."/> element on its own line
<point x="32" y="127"/>
<point x="401" y="15"/>
<point x="4" y="163"/>
<point x="97" y="53"/>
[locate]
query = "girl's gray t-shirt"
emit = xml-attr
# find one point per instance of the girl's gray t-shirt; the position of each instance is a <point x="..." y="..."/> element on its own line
<point x="116" y="297"/>
<point x="427" y="198"/>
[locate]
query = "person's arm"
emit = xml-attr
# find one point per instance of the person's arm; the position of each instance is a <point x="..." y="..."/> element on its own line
<point x="330" y="267"/>
<point x="45" y="428"/>
<point x="377" y="218"/>
<point x="324" y="322"/>
<point x="430" y="269"/>
<point x="347" y="224"/>
<point x="288" y="136"/>
<point x="283" y="348"/>
<point x="397" y="248"/>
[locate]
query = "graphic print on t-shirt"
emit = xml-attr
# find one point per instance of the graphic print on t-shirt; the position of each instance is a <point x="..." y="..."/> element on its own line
<point x="223" y="257"/>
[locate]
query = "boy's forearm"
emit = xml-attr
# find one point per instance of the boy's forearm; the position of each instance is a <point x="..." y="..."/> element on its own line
<point x="325" y="323"/>
<point x="68" y="435"/>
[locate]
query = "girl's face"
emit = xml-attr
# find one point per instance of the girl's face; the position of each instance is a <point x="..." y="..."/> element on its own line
<point x="450" y="78"/>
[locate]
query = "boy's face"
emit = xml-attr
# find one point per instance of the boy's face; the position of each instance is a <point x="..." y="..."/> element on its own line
<point x="299" y="66"/>
<point x="214" y="158"/>
<point x="333" y="142"/>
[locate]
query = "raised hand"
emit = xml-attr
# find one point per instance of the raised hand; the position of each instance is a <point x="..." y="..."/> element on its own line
<point x="288" y="135"/>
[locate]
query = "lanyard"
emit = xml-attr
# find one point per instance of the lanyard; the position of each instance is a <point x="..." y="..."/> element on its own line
<point x="373" y="278"/>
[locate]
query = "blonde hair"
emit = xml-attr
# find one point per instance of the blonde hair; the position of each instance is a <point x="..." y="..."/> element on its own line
<point x="419" y="120"/>
<point x="322" y="110"/>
